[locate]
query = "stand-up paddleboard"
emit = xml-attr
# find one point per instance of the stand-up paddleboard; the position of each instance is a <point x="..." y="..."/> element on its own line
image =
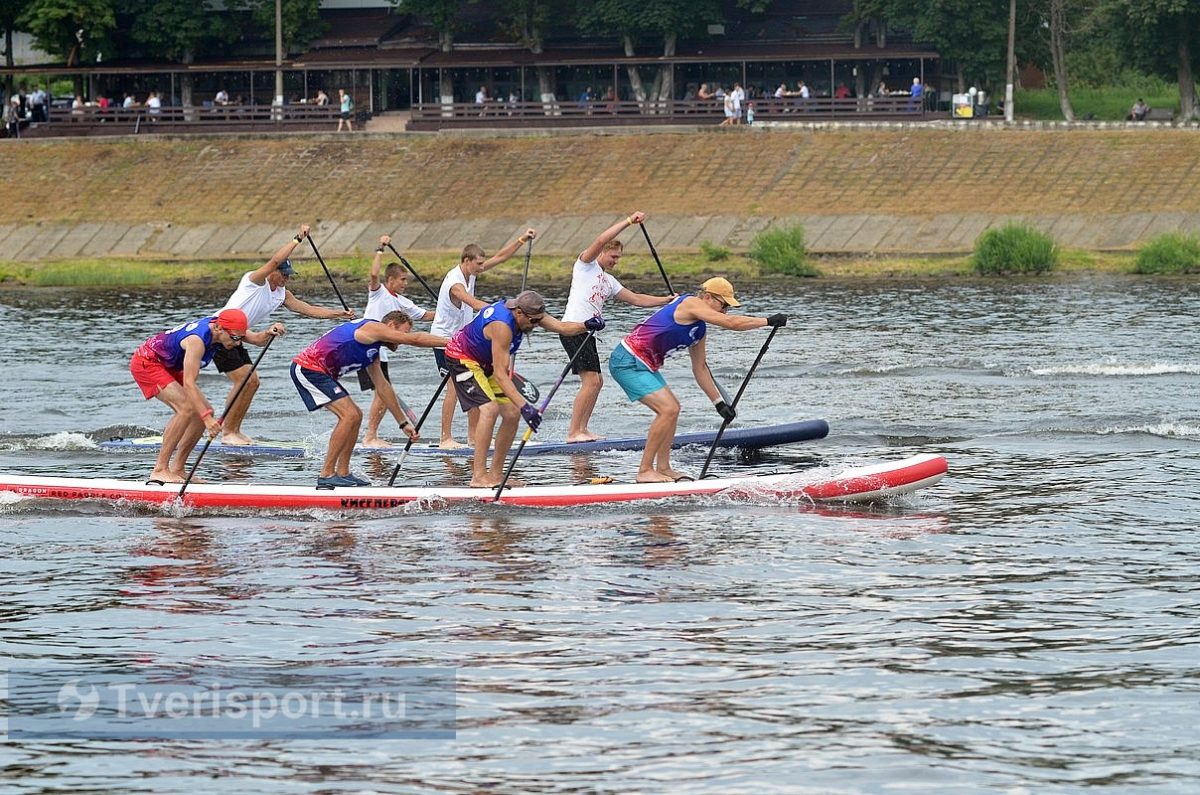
<point x="858" y="484"/>
<point x="744" y="438"/>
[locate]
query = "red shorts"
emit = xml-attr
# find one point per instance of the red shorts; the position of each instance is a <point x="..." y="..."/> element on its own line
<point x="151" y="376"/>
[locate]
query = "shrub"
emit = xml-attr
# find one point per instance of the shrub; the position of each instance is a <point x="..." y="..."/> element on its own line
<point x="1173" y="252"/>
<point x="713" y="253"/>
<point x="1014" y="248"/>
<point x="781" y="250"/>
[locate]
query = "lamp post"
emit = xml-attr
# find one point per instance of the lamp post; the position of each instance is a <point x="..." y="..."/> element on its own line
<point x="279" y="51"/>
<point x="1012" y="66"/>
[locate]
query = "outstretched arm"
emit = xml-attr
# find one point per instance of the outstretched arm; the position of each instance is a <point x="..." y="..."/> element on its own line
<point x="309" y="310"/>
<point x="382" y="332"/>
<point x="692" y="309"/>
<point x="260" y="276"/>
<point x="591" y="252"/>
<point x="566" y="328"/>
<point x="507" y="251"/>
<point x="642" y="299"/>
<point x="460" y="293"/>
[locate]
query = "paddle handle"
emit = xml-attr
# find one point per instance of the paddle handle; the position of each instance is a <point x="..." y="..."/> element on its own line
<point x="741" y="390"/>
<point x="417" y="428"/>
<point x="661" y="269"/>
<point x="512" y="462"/>
<point x="413" y="271"/>
<point x="236" y="394"/>
<point x="329" y="275"/>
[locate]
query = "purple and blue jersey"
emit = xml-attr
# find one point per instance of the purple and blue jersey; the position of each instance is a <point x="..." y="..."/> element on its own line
<point x="166" y="347"/>
<point x="469" y="344"/>
<point x="336" y="352"/>
<point x="659" y="336"/>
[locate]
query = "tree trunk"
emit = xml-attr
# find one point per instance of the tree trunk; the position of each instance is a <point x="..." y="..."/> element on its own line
<point x="635" y="76"/>
<point x="665" y="79"/>
<point x="445" y="80"/>
<point x="1187" y="83"/>
<point x="8" y="61"/>
<point x="1058" y="53"/>
<point x="545" y="75"/>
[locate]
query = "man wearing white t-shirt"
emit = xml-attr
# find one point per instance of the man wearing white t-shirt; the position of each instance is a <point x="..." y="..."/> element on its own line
<point x="260" y="293"/>
<point x="456" y="306"/>
<point x="384" y="296"/>
<point x="592" y="284"/>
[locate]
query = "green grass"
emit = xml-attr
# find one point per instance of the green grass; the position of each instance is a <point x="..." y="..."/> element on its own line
<point x="1173" y="252"/>
<point x="1014" y="248"/>
<point x="782" y="250"/>
<point x="1104" y="104"/>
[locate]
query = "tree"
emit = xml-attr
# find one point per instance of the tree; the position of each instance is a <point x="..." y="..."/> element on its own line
<point x="301" y="18"/>
<point x="10" y="12"/>
<point x="526" y="22"/>
<point x="445" y="17"/>
<point x="177" y="31"/>
<point x="636" y="22"/>
<point x="1162" y="35"/>
<point x="1058" y="54"/>
<point x="69" y="29"/>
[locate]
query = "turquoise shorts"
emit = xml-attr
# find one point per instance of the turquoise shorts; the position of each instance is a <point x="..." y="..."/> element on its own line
<point x="635" y="378"/>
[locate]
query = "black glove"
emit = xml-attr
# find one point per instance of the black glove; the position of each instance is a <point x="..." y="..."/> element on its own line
<point x="777" y="320"/>
<point x="532" y="417"/>
<point x="594" y="323"/>
<point x="727" y="412"/>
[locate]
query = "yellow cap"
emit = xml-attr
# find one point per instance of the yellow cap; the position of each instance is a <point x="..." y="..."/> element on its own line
<point x="720" y="287"/>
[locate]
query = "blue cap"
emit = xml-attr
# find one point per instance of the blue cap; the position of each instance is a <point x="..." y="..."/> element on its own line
<point x="285" y="268"/>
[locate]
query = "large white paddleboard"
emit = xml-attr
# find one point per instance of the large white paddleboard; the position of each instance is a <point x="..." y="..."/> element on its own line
<point x="858" y="484"/>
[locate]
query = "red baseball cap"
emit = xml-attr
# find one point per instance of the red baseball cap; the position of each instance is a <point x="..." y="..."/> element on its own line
<point x="233" y="320"/>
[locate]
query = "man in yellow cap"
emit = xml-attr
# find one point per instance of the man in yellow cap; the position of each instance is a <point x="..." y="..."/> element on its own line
<point x="681" y="324"/>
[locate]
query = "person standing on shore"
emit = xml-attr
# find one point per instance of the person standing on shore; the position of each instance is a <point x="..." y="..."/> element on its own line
<point x="383" y="297"/>
<point x="592" y="285"/>
<point x="258" y="294"/>
<point x="456" y="305"/>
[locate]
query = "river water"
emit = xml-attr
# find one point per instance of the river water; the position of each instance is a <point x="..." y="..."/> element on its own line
<point x="1029" y="625"/>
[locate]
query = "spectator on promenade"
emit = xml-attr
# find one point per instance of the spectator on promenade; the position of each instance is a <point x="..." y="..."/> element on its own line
<point x="705" y="94"/>
<point x="739" y="97"/>
<point x="915" y="94"/>
<point x="842" y="92"/>
<point x="37" y="105"/>
<point x="12" y="117"/>
<point x="222" y="97"/>
<point x="610" y="100"/>
<point x="347" y="114"/>
<point x="514" y="99"/>
<point x="882" y="91"/>
<point x="322" y="97"/>
<point x="585" y="100"/>
<point x="128" y="101"/>
<point x="154" y="103"/>
<point x="1138" y="111"/>
<point x="728" y="105"/>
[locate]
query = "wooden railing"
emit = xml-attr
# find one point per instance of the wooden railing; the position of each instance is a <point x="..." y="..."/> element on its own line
<point x="433" y="115"/>
<point x="148" y="121"/>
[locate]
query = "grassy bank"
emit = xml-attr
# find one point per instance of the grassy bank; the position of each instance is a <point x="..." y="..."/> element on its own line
<point x="686" y="270"/>
<point x="1101" y="104"/>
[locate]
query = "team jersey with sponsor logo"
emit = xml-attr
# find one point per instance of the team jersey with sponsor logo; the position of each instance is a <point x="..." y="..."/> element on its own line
<point x="166" y="346"/>
<point x="660" y="336"/>
<point x="470" y="344"/>
<point x="337" y="352"/>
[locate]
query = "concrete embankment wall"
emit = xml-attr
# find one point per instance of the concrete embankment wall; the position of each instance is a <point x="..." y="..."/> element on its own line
<point x="889" y="190"/>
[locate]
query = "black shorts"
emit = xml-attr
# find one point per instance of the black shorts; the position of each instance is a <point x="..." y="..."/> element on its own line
<point x="589" y="358"/>
<point x="365" y="384"/>
<point x="439" y="356"/>
<point x="229" y="359"/>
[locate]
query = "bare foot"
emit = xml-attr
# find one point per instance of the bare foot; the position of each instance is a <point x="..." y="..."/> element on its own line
<point x="654" y="477"/>
<point x="376" y="443"/>
<point x="235" y="439"/>
<point x="491" y="484"/>
<point x="450" y="444"/>
<point x="586" y="436"/>
<point x="167" y="477"/>
<point x="675" y="475"/>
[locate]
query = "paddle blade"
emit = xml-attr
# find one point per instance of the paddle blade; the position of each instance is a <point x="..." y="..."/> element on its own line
<point x="528" y="389"/>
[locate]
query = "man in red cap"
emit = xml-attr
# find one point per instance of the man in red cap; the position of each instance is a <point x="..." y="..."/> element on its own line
<point x="166" y="367"/>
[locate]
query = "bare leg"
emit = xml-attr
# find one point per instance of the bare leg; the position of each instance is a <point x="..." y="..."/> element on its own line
<point x="510" y="417"/>
<point x="174" y="396"/>
<point x="341" y="441"/>
<point x="448" y="406"/>
<point x="655" y="466"/>
<point x="585" y="404"/>
<point x="187" y="442"/>
<point x="374" y="418"/>
<point x="231" y="426"/>
<point x="484" y="425"/>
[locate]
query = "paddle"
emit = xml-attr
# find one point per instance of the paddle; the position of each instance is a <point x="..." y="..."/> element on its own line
<point x="725" y="424"/>
<point x="321" y="260"/>
<point x="661" y="269"/>
<point x="413" y="271"/>
<point x="417" y="428"/>
<point x="528" y="254"/>
<point x="512" y="462"/>
<point x="236" y="394"/>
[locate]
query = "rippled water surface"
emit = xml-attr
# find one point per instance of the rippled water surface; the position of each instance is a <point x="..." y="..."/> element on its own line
<point x="1029" y="625"/>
